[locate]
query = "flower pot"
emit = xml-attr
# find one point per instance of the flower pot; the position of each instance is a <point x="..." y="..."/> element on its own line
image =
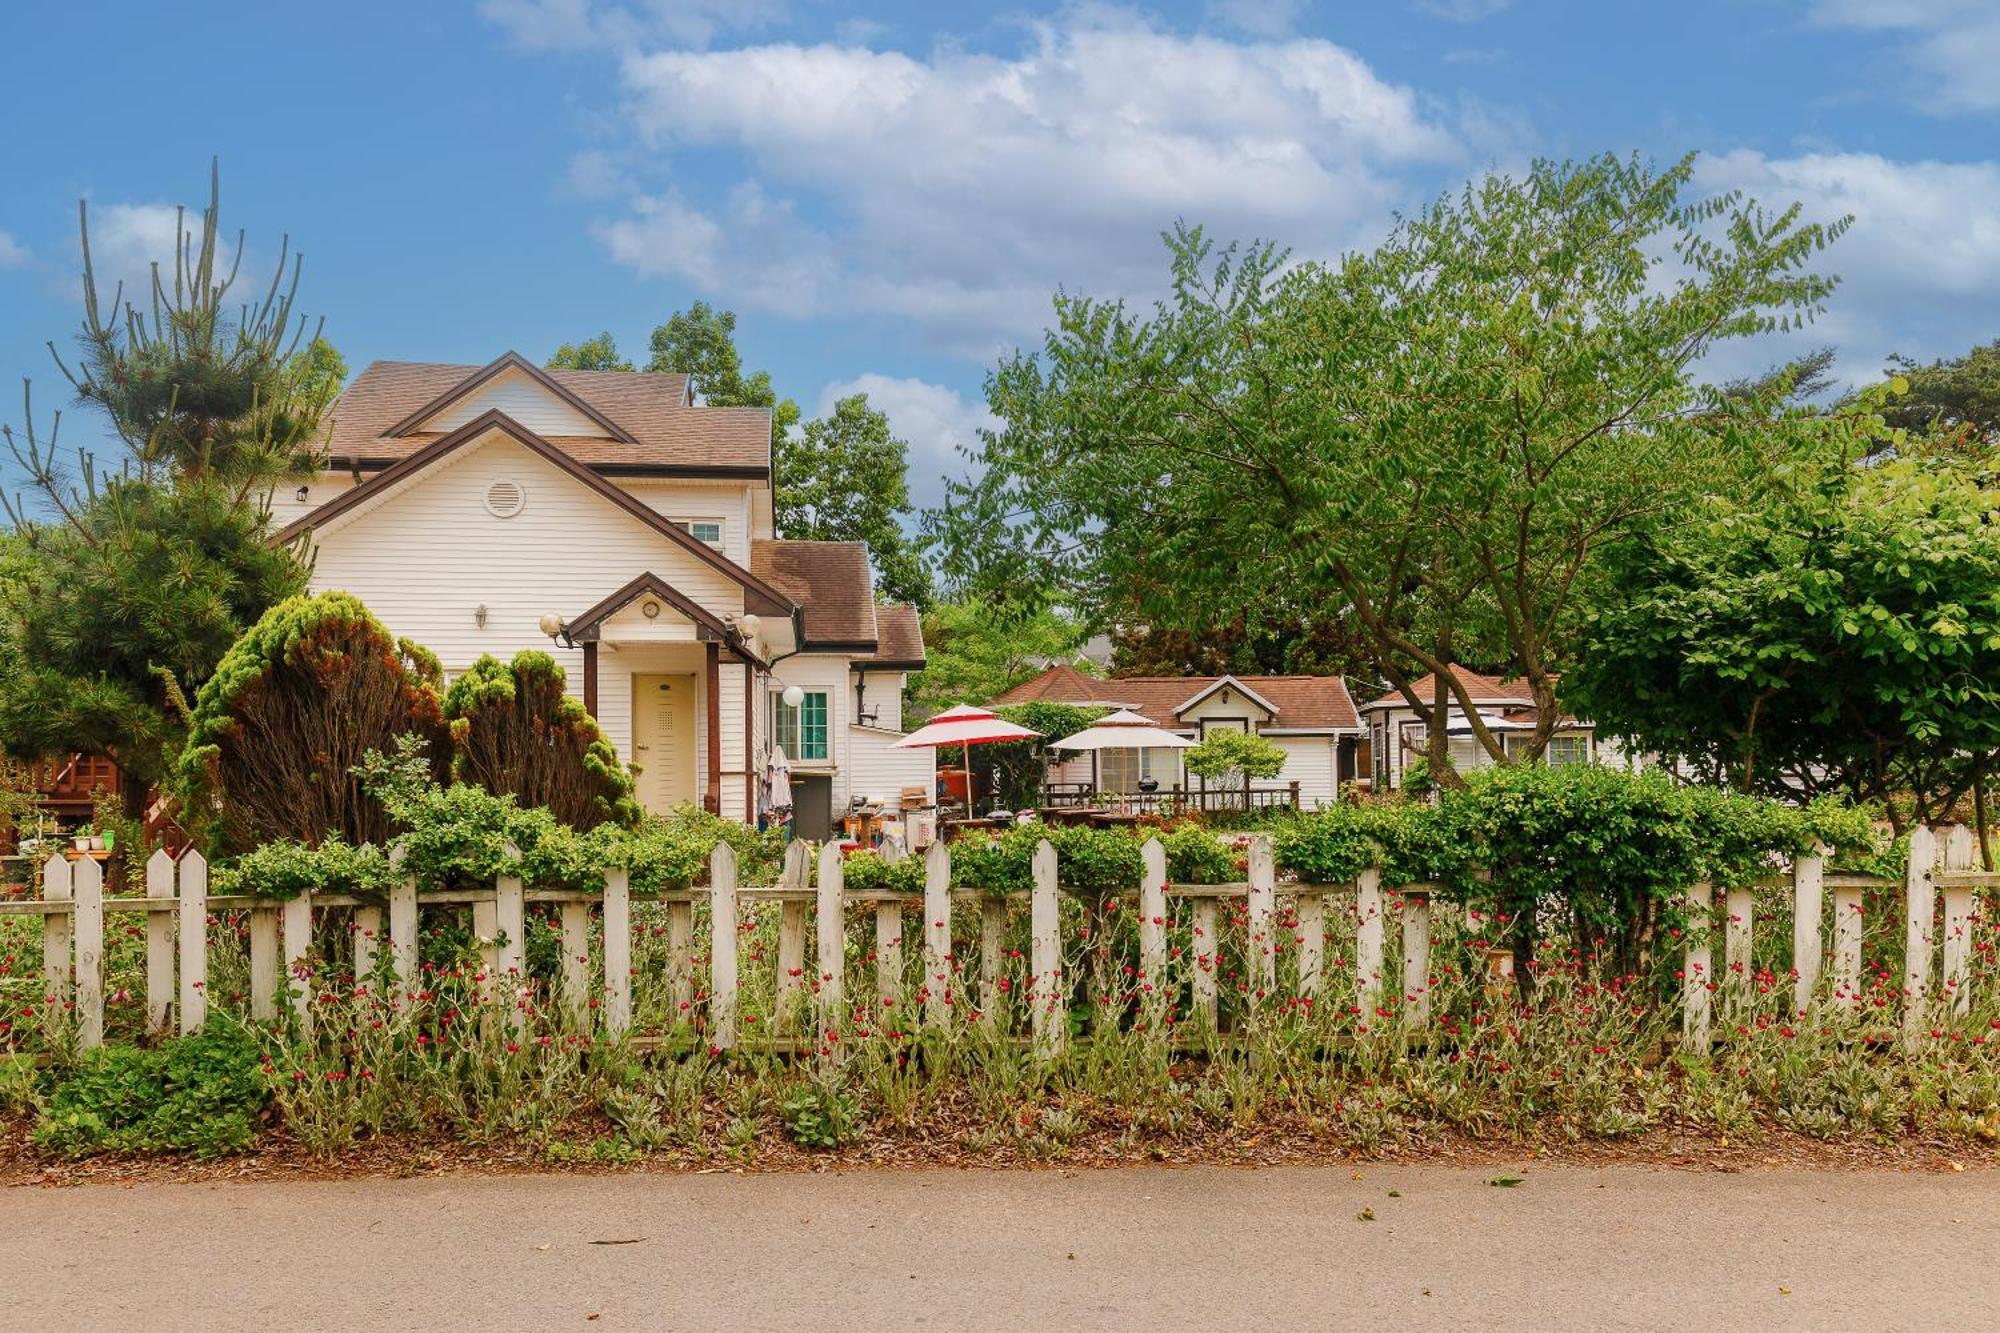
<point x="97" y="844"/>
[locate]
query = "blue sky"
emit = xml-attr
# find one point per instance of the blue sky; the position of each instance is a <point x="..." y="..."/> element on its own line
<point x="888" y="194"/>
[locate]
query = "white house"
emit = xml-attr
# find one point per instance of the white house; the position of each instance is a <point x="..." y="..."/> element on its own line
<point x="1398" y="733"/>
<point x="1311" y="718"/>
<point x="612" y="520"/>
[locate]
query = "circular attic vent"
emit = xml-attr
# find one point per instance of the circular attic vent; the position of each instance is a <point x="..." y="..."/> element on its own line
<point x="504" y="499"/>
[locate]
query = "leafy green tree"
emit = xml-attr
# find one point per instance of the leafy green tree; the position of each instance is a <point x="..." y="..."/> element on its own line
<point x="516" y="732"/>
<point x="1435" y="439"/>
<point x="1226" y="756"/>
<point x="1838" y="633"/>
<point x="974" y="653"/>
<point x="599" y="353"/>
<point x="700" y="342"/>
<point x="124" y="583"/>
<point x="845" y="477"/>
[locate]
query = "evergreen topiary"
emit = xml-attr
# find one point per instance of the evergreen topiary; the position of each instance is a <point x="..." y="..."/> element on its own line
<point x="515" y="732"/>
<point x="280" y="728"/>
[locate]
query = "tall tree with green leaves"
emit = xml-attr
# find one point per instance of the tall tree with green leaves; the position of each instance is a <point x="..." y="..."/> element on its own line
<point x="1960" y="393"/>
<point x="124" y="581"/>
<point x="842" y="477"/>
<point x="1838" y="632"/>
<point x="845" y="477"/>
<point x="1437" y="438"/>
<point x="975" y="652"/>
<point x="599" y="353"/>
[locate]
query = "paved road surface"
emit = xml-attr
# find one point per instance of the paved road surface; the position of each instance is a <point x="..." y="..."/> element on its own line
<point x="1133" y="1249"/>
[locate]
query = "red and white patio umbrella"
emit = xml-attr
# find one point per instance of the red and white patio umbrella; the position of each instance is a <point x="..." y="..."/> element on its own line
<point x="965" y="726"/>
<point x="1123" y="730"/>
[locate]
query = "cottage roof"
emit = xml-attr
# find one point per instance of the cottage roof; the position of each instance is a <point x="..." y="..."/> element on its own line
<point x="1482" y="689"/>
<point x="1298" y="703"/>
<point x="646" y="422"/>
<point x="831" y="581"/>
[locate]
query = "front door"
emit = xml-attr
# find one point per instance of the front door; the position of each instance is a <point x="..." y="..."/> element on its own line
<point x="663" y="740"/>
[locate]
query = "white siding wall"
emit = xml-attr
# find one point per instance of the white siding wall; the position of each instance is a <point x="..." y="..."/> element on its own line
<point x="427" y="557"/>
<point x="520" y="398"/>
<point x="1310" y="761"/>
<point x="880" y="771"/>
<point x="286" y="505"/>
<point x="884" y="698"/>
<point x="1213" y="707"/>
<point x="827" y="673"/>
<point x="715" y="502"/>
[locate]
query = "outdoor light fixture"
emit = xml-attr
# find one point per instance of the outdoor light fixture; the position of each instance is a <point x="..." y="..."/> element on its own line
<point x="479" y="615"/>
<point x="303" y="491"/>
<point x="748" y="625"/>
<point x="793" y="696"/>
<point x="551" y="624"/>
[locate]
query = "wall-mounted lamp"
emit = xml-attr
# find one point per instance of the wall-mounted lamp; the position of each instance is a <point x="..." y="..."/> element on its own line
<point x="479" y="615"/>
<point x="301" y="494"/>
<point x="748" y="626"/>
<point x="552" y="625"/>
<point x="793" y="696"/>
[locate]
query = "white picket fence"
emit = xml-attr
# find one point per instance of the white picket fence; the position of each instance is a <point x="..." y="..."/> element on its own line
<point x="178" y="908"/>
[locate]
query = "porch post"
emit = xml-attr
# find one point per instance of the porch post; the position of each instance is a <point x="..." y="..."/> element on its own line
<point x="590" y="676"/>
<point x="749" y="744"/>
<point x="712" y="802"/>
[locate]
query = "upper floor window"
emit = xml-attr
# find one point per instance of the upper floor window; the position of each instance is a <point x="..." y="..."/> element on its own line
<point x="705" y="530"/>
<point x="801" y="732"/>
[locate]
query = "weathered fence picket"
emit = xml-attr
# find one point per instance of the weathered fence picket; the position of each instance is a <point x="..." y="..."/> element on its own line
<point x="722" y="946"/>
<point x="938" y="983"/>
<point x="160" y="942"/>
<point x="193" y="873"/>
<point x="1937" y="982"/>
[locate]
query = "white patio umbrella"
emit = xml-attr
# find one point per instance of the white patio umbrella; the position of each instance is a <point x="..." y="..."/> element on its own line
<point x="1123" y="730"/>
<point x="965" y="726"/>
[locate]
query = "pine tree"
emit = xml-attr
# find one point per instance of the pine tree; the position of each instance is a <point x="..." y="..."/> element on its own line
<point x="123" y="584"/>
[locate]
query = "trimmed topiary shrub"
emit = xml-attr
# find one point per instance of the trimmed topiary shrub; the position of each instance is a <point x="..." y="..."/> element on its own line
<point x="290" y="712"/>
<point x="515" y="732"/>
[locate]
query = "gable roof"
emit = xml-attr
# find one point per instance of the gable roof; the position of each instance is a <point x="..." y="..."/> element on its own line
<point x="1221" y="682"/>
<point x="1482" y="689"/>
<point x="507" y="361"/>
<point x="899" y="639"/>
<point x="708" y="625"/>
<point x="758" y="594"/>
<point x="830" y="580"/>
<point x="1297" y="703"/>
<point x="651" y="424"/>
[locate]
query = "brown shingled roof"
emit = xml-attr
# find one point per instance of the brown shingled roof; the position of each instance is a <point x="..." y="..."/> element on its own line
<point x="830" y="580"/>
<point x="1483" y="689"/>
<point x="666" y="431"/>
<point x="899" y="638"/>
<point x="1309" y="703"/>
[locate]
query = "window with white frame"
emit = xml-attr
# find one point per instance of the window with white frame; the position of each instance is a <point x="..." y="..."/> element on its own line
<point x="801" y="732"/>
<point x="1573" y="748"/>
<point x="705" y="530"/>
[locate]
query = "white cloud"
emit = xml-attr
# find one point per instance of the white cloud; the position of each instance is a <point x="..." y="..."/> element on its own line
<point x="571" y="25"/>
<point x="958" y="190"/>
<point x="1461" y="11"/>
<point x="126" y="240"/>
<point x="13" y="254"/>
<point x="935" y="420"/>
<point x="1951" y="46"/>
<point x="1920" y="267"/>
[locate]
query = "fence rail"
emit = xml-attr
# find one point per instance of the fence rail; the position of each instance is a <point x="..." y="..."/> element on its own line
<point x="1938" y="945"/>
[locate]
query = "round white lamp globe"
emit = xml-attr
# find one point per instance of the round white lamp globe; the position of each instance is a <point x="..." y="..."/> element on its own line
<point x="551" y="624"/>
<point x="793" y="696"/>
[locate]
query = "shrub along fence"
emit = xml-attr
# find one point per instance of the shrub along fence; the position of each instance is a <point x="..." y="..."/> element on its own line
<point x="1175" y="986"/>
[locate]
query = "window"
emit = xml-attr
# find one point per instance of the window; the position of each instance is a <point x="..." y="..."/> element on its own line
<point x="1571" y="749"/>
<point x="705" y="530"/>
<point x="800" y="732"/>
<point x="1121" y="770"/>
